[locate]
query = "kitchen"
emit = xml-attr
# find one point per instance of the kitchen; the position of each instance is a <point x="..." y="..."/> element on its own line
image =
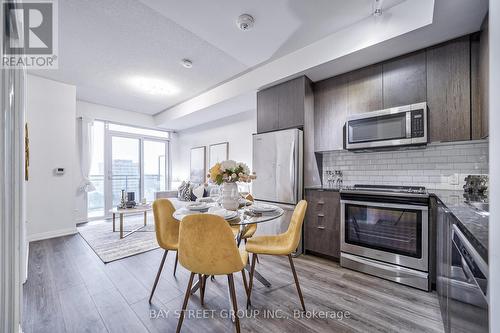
<point x="350" y="146"/>
<point x="396" y="170"/>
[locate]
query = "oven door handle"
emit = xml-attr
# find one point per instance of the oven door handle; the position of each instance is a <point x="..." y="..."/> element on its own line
<point x="384" y="205"/>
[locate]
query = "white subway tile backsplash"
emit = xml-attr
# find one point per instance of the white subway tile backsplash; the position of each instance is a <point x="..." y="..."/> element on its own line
<point x="430" y="167"/>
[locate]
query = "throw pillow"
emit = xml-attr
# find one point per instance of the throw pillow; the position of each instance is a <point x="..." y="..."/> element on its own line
<point x="199" y="191"/>
<point x="184" y="192"/>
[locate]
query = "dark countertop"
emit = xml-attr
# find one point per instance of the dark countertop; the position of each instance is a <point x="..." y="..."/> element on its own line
<point x="472" y="222"/>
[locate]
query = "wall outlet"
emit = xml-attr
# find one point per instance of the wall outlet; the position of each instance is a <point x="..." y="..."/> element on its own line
<point x="453" y="179"/>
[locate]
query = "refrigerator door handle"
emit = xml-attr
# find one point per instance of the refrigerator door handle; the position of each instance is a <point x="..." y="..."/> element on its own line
<point x="292" y="172"/>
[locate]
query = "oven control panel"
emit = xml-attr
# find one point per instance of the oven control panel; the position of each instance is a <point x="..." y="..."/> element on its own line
<point x="417" y="124"/>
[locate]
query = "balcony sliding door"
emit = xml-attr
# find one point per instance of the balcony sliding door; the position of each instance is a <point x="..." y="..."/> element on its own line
<point x="126" y="158"/>
<point x="155" y="168"/>
<point x="125" y="173"/>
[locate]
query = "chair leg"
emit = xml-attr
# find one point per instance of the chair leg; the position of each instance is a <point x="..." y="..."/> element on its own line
<point x="184" y="305"/>
<point x="244" y="281"/>
<point x="296" y="282"/>
<point x="202" y="288"/>
<point x="230" y="280"/>
<point x="250" y="283"/>
<point x="158" y="275"/>
<point x="176" y="258"/>
<point x="246" y="244"/>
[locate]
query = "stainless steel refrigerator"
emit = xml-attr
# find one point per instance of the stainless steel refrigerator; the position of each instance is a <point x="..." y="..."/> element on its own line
<point x="278" y="163"/>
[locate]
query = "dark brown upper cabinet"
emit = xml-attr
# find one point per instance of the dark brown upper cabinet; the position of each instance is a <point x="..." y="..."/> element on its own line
<point x="449" y="90"/>
<point x="330" y="111"/>
<point x="404" y="80"/>
<point x="282" y="106"/>
<point x="364" y="90"/>
<point x="267" y="115"/>
<point x="480" y="82"/>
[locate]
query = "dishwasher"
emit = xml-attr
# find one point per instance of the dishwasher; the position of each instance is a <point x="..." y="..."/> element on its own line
<point x="467" y="286"/>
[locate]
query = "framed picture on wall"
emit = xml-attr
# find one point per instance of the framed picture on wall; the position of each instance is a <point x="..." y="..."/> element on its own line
<point x="198" y="171"/>
<point x="218" y="152"/>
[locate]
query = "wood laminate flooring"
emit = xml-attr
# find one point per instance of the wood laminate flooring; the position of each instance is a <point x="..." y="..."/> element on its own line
<point x="69" y="289"/>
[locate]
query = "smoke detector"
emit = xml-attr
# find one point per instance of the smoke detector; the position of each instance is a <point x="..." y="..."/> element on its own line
<point x="377" y="7"/>
<point x="186" y="63"/>
<point x="245" y="22"/>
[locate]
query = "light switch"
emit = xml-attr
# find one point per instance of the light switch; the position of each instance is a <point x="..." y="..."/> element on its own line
<point x="59" y="171"/>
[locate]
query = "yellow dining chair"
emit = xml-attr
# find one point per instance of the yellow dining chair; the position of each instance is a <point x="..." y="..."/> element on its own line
<point x="167" y="233"/>
<point x="251" y="229"/>
<point x="283" y="244"/>
<point x="207" y="247"/>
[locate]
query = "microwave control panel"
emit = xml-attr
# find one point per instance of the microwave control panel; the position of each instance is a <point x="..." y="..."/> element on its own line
<point x="417" y="124"/>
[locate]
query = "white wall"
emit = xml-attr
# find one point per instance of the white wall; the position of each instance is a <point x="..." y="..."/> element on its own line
<point x="120" y="116"/>
<point x="237" y="130"/>
<point x="433" y="167"/>
<point x="51" y="112"/>
<point x="494" y="116"/>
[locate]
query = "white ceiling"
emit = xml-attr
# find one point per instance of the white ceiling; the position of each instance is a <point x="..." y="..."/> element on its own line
<point x="406" y="27"/>
<point x="281" y="26"/>
<point x="104" y="43"/>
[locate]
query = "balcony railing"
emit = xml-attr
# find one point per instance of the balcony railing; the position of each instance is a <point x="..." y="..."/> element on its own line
<point x="127" y="182"/>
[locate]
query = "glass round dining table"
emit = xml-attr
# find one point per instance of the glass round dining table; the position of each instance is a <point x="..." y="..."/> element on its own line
<point x="244" y="218"/>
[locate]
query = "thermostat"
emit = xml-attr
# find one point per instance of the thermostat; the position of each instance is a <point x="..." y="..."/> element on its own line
<point x="59" y="171"/>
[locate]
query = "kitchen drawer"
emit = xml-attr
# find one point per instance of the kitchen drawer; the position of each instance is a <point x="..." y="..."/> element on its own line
<point x="322" y="223"/>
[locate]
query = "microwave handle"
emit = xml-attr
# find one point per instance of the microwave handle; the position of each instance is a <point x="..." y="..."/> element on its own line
<point x="408" y="124"/>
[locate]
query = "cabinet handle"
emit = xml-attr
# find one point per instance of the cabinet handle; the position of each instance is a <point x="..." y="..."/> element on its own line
<point x="320" y="227"/>
<point x="321" y="202"/>
<point x="321" y="215"/>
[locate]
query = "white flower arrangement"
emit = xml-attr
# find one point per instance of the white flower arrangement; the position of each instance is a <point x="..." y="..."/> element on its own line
<point x="230" y="171"/>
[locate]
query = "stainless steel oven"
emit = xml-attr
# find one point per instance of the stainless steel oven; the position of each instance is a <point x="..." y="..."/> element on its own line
<point x="399" y="126"/>
<point x="384" y="232"/>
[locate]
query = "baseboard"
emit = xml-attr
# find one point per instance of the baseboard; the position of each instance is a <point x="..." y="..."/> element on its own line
<point x="52" y="234"/>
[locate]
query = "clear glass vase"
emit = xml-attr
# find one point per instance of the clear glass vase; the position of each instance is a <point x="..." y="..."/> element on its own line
<point x="230" y="196"/>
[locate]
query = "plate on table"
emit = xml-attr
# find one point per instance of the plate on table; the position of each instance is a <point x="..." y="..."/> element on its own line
<point x="224" y="213"/>
<point x="206" y="199"/>
<point x="262" y="208"/>
<point x="197" y="206"/>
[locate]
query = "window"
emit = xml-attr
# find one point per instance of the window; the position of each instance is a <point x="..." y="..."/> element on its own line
<point x="126" y="158"/>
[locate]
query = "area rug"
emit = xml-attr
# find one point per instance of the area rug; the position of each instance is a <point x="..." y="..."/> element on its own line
<point x="108" y="245"/>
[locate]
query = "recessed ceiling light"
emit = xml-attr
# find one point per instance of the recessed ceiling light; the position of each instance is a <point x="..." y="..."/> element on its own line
<point x="152" y="86"/>
<point x="187" y="63"/>
<point x="245" y="22"/>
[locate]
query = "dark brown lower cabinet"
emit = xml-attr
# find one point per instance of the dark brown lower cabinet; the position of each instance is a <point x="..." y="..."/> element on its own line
<point x="322" y="223"/>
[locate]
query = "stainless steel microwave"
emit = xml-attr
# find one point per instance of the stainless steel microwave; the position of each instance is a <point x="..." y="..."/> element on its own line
<point x="399" y="126"/>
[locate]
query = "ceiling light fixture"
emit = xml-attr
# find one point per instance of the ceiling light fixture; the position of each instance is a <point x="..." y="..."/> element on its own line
<point x="377" y="7"/>
<point x="245" y="22"/>
<point x="187" y="63"/>
<point x="152" y="86"/>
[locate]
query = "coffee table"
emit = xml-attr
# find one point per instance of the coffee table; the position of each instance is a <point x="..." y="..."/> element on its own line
<point x="127" y="211"/>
